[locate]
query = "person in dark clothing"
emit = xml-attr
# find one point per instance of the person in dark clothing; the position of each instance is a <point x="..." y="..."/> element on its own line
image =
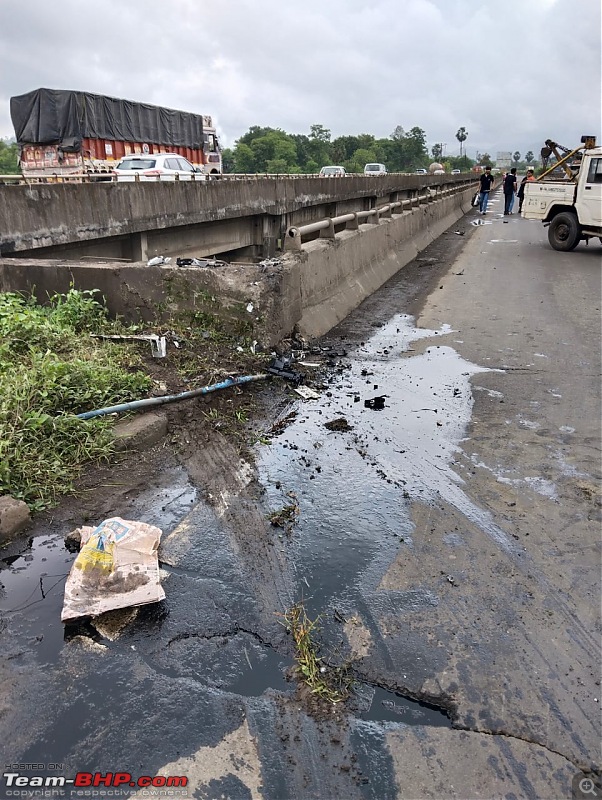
<point x="509" y="191"/>
<point x="485" y="188"/>
<point x="521" y="189"/>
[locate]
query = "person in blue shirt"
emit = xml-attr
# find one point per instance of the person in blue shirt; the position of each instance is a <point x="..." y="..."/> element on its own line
<point x="485" y="188"/>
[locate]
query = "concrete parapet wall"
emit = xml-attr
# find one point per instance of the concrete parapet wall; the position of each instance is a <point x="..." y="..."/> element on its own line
<point x="310" y="290"/>
<point x="337" y="275"/>
<point x="54" y="215"/>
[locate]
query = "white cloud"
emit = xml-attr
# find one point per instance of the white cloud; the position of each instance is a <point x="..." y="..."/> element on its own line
<point x="513" y="73"/>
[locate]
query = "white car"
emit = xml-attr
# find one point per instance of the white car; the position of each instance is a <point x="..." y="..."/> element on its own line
<point x="421" y="172"/>
<point x="157" y="167"/>
<point x="332" y="172"/>
<point x="456" y="172"/>
<point x="375" y="169"/>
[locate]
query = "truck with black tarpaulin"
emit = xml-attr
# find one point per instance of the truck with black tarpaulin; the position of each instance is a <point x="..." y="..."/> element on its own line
<point x="62" y="132"/>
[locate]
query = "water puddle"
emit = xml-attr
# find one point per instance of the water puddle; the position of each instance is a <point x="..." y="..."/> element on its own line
<point x="31" y="595"/>
<point x="379" y="459"/>
<point x="388" y="706"/>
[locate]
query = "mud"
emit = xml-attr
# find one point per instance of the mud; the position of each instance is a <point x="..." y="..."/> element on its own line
<point x="417" y="542"/>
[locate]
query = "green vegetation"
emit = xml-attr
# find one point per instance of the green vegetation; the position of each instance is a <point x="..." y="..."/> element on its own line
<point x="272" y="150"/>
<point x="50" y="370"/>
<point x="285" y="517"/>
<point x="9" y="155"/>
<point x="328" y="683"/>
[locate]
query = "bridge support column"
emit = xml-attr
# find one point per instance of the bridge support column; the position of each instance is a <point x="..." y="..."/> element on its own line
<point x="270" y="233"/>
<point x="139" y="246"/>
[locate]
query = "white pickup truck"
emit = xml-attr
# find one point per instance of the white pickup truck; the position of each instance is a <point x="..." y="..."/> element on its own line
<point x="571" y="208"/>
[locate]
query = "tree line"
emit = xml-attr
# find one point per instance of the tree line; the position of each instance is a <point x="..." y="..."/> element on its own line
<point x="272" y="150"/>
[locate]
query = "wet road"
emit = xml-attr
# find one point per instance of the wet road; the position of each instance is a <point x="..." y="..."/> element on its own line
<point x="450" y="541"/>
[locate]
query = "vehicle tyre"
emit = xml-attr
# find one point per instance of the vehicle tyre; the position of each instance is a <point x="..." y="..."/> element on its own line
<point x="564" y="232"/>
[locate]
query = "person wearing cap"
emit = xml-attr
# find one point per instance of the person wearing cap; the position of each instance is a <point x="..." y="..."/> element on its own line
<point x="486" y="182"/>
<point x="521" y="189"/>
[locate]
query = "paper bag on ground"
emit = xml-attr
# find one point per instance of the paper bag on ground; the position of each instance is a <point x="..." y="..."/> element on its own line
<point x="116" y="567"/>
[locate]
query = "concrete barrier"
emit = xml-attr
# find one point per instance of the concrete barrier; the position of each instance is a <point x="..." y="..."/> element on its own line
<point x="310" y="290"/>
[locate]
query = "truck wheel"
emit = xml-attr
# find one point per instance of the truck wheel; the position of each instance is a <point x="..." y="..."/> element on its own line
<point x="564" y="232"/>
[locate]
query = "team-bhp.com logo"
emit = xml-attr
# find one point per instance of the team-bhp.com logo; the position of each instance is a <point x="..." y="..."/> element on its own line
<point x="15" y="782"/>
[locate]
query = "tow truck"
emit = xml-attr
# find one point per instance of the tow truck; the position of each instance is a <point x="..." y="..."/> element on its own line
<point x="569" y="204"/>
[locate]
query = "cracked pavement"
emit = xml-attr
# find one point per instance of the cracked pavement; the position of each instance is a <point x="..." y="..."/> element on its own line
<point x="451" y="542"/>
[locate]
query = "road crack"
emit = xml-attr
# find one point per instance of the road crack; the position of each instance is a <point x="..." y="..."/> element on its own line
<point x="579" y="766"/>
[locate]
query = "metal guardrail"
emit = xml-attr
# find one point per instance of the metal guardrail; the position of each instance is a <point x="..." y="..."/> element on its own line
<point x="326" y="227"/>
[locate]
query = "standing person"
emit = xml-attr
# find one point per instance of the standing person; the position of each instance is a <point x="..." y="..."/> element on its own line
<point x="509" y="191"/>
<point x="521" y="189"/>
<point x="485" y="187"/>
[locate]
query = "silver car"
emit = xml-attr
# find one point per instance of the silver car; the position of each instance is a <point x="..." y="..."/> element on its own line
<point x="157" y="167"/>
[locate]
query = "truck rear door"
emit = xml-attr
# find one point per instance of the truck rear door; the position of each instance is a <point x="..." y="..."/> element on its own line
<point x="590" y="212"/>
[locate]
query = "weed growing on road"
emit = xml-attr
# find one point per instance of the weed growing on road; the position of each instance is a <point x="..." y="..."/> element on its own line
<point x="285" y="517"/>
<point x="328" y="683"/>
<point x="50" y="370"/>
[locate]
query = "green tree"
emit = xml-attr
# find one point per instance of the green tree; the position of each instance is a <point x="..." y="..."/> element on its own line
<point x="244" y="160"/>
<point x="484" y="160"/>
<point x="529" y="156"/>
<point x="319" y="133"/>
<point x="9" y="157"/>
<point x="360" y="158"/>
<point x="461" y="136"/>
<point x="228" y="162"/>
<point x="405" y="150"/>
<point x="516" y="158"/>
<point x="437" y="151"/>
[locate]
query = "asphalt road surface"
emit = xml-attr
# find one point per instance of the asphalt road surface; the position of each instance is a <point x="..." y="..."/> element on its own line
<point x="448" y="535"/>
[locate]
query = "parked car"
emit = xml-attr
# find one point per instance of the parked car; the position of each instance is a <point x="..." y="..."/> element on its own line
<point x="456" y="172"/>
<point x="332" y="172"/>
<point x="161" y="166"/>
<point x="375" y="169"/>
<point x="421" y="172"/>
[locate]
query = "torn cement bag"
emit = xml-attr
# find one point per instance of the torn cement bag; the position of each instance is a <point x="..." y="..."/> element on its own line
<point x="116" y="567"/>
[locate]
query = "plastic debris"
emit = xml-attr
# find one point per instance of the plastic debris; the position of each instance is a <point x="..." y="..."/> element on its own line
<point x="158" y="343"/>
<point x="269" y="263"/>
<point x="117" y="567"/>
<point x="250" y="307"/>
<point x="282" y="367"/>
<point x="158" y="260"/>
<point x="375" y="403"/>
<point x="306" y="393"/>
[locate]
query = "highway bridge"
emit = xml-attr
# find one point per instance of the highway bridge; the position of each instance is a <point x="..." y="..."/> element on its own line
<point x="335" y="241"/>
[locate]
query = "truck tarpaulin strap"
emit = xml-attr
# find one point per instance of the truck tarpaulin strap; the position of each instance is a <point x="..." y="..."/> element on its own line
<point x="46" y="116"/>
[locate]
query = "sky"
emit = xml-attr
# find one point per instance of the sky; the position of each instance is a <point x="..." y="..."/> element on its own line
<point x="512" y="72"/>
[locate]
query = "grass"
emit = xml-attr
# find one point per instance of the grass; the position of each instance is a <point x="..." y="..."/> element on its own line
<point x="332" y="684"/>
<point x="285" y="517"/>
<point x="50" y="370"/>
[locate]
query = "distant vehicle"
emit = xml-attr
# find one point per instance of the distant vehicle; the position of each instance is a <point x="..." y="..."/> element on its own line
<point x="422" y="172"/>
<point x="162" y="167"/>
<point x="61" y="132"/>
<point x="456" y="172"/>
<point x="375" y="169"/>
<point x="332" y="172"/>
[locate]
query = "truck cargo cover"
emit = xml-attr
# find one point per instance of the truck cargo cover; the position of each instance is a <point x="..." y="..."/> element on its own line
<point x="53" y="116"/>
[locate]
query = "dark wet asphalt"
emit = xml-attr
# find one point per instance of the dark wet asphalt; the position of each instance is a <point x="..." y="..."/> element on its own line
<point x="199" y="685"/>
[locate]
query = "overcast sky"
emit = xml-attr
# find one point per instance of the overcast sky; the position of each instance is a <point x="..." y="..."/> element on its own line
<point x="512" y="72"/>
